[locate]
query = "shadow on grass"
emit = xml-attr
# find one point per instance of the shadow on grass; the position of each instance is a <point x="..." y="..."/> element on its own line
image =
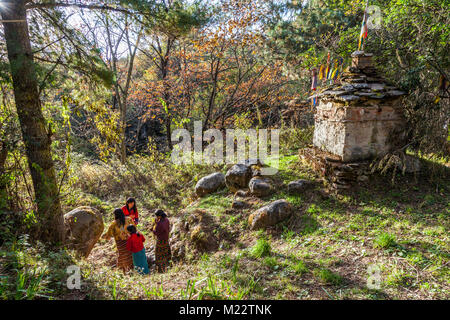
<point x="43" y="274"/>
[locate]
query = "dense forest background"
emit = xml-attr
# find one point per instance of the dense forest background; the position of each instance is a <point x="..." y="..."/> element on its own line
<point x="90" y="91"/>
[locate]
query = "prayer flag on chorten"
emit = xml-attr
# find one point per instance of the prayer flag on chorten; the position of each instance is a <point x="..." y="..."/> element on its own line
<point x="364" y="31"/>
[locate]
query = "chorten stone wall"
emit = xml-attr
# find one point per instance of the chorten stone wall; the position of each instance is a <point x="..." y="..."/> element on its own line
<point x="357" y="120"/>
<point x="360" y="118"/>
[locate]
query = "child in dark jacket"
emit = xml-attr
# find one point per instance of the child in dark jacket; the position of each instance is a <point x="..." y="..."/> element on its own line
<point x="135" y="244"/>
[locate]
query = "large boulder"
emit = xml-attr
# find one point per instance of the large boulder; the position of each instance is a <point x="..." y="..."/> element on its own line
<point x="84" y="226"/>
<point x="260" y="186"/>
<point x="298" y="186"/>
<point x="270" y="215"/>
<point x="209" y="184"/>
<point x="238" y="177"/>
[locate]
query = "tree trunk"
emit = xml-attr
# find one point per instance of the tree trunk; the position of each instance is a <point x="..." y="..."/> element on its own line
<point x="166" y="97"/>
<point x="123" y="123"/>
<point x="3" y="156"/>
<point x="35" y="136"/>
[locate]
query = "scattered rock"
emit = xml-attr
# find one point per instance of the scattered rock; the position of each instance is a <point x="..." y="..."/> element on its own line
<point x="298" y="186"/>
<point x="238" y="177"/>
<point x="210" y="184"/>
<point x="238" y="204"/>
<point x="241" y="194"/>
<point x="84" y="226"/>
<point x="270" y="215"/>
<point x="260" y="187"/>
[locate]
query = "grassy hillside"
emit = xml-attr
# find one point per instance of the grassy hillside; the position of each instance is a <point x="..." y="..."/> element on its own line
<point x="324" y="251"/>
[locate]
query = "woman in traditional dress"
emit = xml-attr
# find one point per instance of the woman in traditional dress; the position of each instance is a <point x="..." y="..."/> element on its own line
<point x="162" y="248"/>
<point x="135" y="244"/>
<point x="118" y="230"/>
<point x="130" y="210"/>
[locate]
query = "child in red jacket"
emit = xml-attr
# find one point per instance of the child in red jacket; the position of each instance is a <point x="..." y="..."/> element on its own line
<point x="130" y="210"/>
<point x="135" y="244"/>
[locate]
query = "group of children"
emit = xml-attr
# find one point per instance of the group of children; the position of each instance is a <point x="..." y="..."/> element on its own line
<point x="130" y="242"/>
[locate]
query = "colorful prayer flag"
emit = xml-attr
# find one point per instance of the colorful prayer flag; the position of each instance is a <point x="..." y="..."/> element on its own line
<point x="335" y="73"/>
<point x="322" y="72"/>
<point x="364" y="31"/>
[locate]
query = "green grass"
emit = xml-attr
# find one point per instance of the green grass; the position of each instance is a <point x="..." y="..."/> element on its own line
<point x="327" y="276"/>
<point x="216" y="203"/>
<point x="300" y="268"/>
<point x="385" y="241"/>
<point x="321" y="252"/>
<point x="271" y="262"/>
<point x="261" y="249"/>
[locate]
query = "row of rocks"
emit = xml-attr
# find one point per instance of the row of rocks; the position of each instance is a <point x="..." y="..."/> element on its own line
<point x="237" y="177"/>
<point x="242" y="176"/>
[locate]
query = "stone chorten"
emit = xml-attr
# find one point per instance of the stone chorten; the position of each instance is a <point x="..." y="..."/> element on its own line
<point x="357" y="119"/>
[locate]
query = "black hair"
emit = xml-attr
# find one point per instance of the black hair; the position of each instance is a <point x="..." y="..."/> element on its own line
<point x="131" y="200"/>
<point x="118" y="215"/>
<point x="160" y="213"/>
<point x="131" y="229"/>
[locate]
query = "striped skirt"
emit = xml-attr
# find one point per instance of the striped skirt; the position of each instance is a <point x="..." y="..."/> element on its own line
<point x="125" y="259"/>
<point x="162" y="255"/>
